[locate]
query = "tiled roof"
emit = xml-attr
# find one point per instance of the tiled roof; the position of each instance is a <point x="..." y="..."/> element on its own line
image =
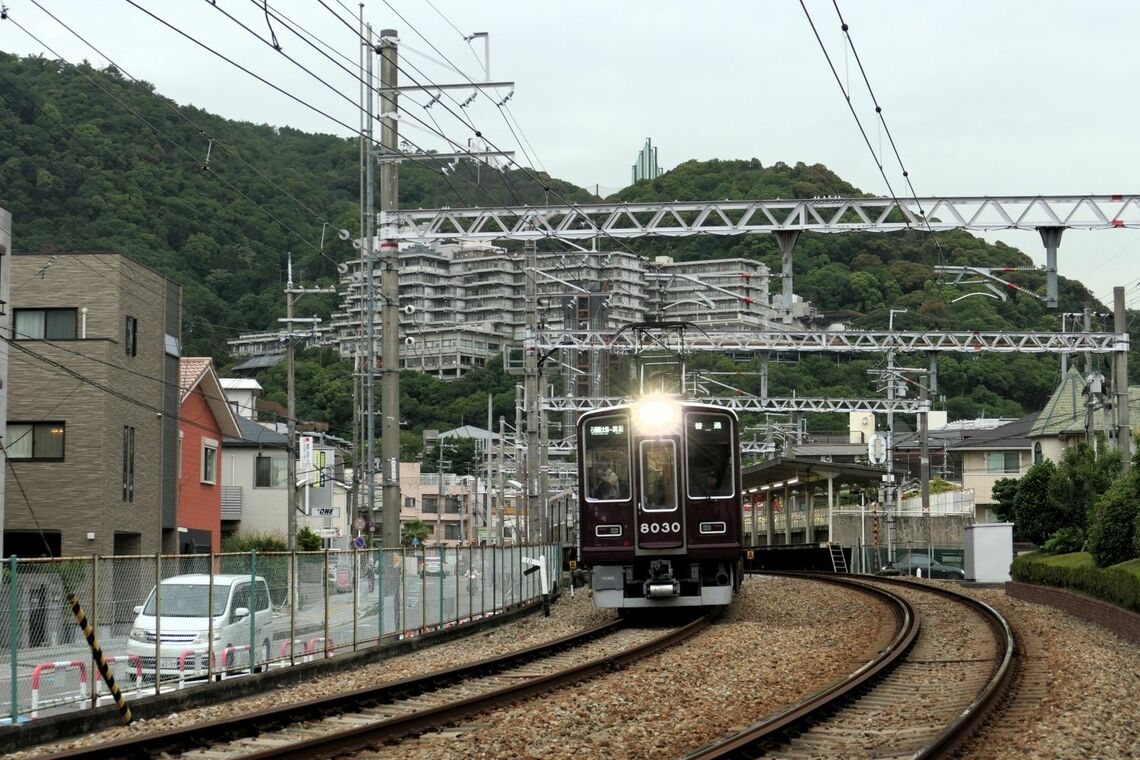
<point x="190" y="371"/>
<point x="254" y="434"/>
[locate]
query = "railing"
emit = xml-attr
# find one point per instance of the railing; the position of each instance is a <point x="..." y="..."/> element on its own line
<point x="152" y="614"/>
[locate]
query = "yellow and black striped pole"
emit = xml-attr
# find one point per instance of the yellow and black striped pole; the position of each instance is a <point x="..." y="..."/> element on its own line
<point x="97" y="656"/>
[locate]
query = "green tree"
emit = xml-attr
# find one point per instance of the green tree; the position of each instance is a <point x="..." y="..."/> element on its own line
<point x="1033" y="514"/>
<point x="1113" y="529"/>
<point x="1005" y="493"/>
<point x="414" y="529"/>
<point x="1083" y="476"/>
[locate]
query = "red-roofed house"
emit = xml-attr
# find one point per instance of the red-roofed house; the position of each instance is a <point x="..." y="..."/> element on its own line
<point x="205" y="418"/>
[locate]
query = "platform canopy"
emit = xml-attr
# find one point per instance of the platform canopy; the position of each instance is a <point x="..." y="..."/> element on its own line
<point x="779" y="471"/>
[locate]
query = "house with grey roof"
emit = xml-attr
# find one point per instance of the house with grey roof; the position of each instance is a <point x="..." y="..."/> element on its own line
<point x="990" y="455"/>
<point x="1071" y="416"/>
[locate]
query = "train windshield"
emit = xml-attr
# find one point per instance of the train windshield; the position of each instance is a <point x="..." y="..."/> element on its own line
<point x="606" y="458"/>
<point x="709" y="455"/>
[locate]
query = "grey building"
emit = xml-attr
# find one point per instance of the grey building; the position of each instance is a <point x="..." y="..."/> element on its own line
<point x="92" y="423"/>
<point x="5" y="325"/>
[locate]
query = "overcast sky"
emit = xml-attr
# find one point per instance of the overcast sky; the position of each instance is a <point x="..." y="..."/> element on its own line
<point x="982" y="98"/>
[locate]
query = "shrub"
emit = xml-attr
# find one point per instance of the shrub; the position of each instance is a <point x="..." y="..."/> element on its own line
<point x="1114" y="524"/>
<point x="262" y="542"/>
<point x="308" y="541"/>
<point x="1064" y="541"/>
<point x="1113" y="585"/>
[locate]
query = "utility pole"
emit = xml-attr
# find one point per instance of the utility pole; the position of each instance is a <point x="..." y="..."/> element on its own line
<point x="290" y="393"/>
<point x="389" y="290"/>
<point x="1120" y="361"/>
<point x="892" y="502"/>
<point x="368" y="266"/>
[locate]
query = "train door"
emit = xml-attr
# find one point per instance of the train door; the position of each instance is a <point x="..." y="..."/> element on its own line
<point x="660" y="520"/>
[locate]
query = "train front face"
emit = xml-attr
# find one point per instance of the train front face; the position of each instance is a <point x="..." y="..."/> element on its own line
<point x="660" y="503"/>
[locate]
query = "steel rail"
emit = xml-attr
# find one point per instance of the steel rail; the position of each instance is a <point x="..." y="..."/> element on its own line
<point x="822" y="701"/>
<point x="252" y="724"/>
<point x="359" y="737"/>
<point x="746" y="742"/>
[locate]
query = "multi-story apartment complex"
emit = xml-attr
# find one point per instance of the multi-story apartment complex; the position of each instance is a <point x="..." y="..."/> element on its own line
<point x="93" y="407"/>
<point x="463" y="304"/>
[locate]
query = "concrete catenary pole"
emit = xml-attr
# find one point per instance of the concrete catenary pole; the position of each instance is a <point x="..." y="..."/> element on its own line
<point x="531" y="394"/>
<point x="1120" y="360"/>
<point x="390" y="290"/>
<point x="291" y="414"/>
<point x="368" y="266"/>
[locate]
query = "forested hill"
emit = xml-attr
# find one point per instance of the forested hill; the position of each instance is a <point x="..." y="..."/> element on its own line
<point x="90" y="160"/>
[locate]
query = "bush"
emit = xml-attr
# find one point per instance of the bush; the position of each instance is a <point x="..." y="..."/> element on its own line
<point x="262" y="542"/>
<point x="1114" y="585"/>
<point x="1114" y="524"/>
<point x="1064" y="541"/>
<point x="308" y="541"/>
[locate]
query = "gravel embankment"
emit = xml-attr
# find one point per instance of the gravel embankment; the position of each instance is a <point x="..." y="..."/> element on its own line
<point x="784" y="639"/>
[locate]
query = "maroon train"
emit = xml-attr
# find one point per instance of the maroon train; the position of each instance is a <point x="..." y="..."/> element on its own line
<point x="660" y="506"/>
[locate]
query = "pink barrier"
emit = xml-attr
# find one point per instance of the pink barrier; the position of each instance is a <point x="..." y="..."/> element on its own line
<point x="130" y="659"/>
<point x="47" y="667"/>
<point x="326" y="646"/>
<point x="231" y="649"/>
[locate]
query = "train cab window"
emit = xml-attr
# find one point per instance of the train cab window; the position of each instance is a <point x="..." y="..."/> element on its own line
<point x="709" y="455"/>
<point x="659" y="476"/>
<point x="606" y="458"/>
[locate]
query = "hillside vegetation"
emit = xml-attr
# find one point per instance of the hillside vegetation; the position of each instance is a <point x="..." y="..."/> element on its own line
<point x="93" y="161"/>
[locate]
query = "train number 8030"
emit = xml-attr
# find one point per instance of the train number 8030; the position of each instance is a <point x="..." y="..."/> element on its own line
<point x="665" y="527"/>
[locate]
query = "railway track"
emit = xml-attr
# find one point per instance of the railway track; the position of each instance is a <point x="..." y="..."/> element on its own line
<point x="378" y="715"/>
<point x="923" y="695"/>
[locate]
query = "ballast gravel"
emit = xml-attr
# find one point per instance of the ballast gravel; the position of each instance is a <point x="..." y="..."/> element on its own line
<point x="781" y="641"/>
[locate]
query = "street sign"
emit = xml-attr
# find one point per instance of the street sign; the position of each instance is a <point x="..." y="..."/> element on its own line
<point x="327" y="532"/>
<point x="573" y="565"/>
<point x="326" y="511"/>
<point x="358" y="542"/>
<point x="415" y="541"/>
<point x="359" y="523"/>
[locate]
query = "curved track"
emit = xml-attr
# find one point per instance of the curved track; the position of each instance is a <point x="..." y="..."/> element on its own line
<point x="920" y="698"/>
<point x="346" y="722"/>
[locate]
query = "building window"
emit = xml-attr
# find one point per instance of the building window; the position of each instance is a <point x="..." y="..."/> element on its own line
<point x="209" y="461"/>
<point x="1037" y="455"/>
<point x="178" y="458"/>
<point x="131" y="337"/>
<point x="431" y="504"/>
<point x="270" y="472"/>
<point x="409" y="502"/>
<point x="45" y="324"/>
<point x="1003" y="461"/>
<point x="128" y="463"/>
<point x="451" y="532"/>
<point x="35" y="440"/>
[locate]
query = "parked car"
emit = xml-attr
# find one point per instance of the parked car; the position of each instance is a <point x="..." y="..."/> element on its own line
<point x="184" y="625"/>
<point x="915" y="563"/>
<point x="434" y="566"/>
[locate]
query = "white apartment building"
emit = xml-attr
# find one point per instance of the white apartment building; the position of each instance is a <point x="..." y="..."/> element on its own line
<point x="461" y="304"/>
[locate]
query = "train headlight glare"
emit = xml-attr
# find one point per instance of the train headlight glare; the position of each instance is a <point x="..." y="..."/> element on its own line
<point x="655" y="413"/>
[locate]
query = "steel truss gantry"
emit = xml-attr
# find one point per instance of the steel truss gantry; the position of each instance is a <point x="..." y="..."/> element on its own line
<point x="845" y="341"/>
<point x="684" y="218"/>
<point x="771" y="405"/>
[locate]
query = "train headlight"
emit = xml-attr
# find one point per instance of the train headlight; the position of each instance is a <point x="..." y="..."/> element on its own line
<point x="654" y="413"/>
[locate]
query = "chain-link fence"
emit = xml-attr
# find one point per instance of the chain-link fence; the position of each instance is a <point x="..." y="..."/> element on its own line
<point x="170" y="622"/>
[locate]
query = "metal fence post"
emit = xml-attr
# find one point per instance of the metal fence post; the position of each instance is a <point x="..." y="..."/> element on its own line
<point x="293" y="586"/>
<point x="325" y="585"/>
<point x="380" y="559"/>
<point x="93" y="620"/>
<point x="252" y="609"/>
<point x="355" y="591"/>
<point x="14" y="634"/>
<point x="210" y="623"/>
<point x="158" y="622"/>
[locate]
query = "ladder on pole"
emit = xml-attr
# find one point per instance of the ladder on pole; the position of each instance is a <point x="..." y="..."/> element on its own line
<point x="838" y="558"/>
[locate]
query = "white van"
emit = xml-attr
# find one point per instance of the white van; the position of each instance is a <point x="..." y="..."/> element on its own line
<point x="185" y="624"/>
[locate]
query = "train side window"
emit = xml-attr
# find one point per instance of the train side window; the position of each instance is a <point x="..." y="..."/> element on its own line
<point x="709" y="455"/>
<point x="605" y="442"/>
